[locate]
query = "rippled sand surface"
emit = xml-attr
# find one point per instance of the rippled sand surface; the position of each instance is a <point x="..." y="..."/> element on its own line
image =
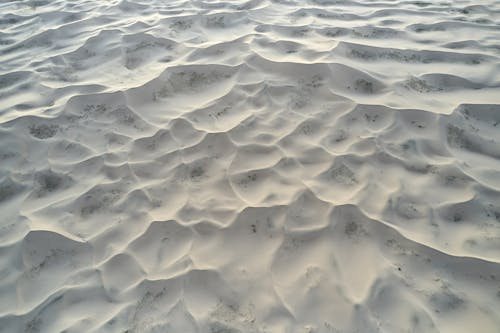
<point x="249" y="166"/>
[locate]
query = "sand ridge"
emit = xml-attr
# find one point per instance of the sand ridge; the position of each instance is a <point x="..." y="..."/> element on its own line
<point x="249" y="166"/>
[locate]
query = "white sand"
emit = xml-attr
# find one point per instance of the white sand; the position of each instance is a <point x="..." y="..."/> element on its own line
<point x="263" y="166"/>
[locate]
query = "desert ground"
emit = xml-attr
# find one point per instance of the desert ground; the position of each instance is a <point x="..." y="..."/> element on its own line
<point x="262" y="166"/>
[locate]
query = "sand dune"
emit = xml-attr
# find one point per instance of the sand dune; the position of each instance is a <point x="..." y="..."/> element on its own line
<point x="249" y="166"/>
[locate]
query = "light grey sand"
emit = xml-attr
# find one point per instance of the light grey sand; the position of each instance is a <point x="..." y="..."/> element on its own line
<point x="273" y="166"/>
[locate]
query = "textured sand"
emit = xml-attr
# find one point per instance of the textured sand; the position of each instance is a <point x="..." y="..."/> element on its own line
<point x="277" y="166"/>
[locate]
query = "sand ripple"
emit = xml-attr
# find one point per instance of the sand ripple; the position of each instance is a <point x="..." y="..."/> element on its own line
<point x="249" y="166"/>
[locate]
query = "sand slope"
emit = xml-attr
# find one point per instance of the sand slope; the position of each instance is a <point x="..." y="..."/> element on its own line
<point x="249" y="166"/>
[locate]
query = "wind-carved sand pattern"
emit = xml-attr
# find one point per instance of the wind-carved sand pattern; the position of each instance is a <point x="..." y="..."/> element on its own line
<point x="276" y="166"/>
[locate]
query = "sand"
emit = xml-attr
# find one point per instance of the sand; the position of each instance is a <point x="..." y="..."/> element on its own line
<point x="277" y="166"/>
